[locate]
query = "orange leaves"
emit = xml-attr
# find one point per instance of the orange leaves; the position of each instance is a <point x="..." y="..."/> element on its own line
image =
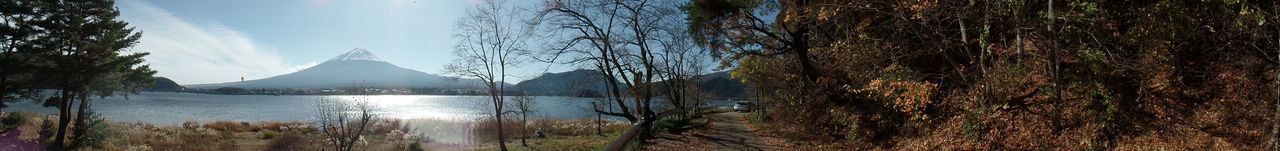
<point x="908" y="97"/>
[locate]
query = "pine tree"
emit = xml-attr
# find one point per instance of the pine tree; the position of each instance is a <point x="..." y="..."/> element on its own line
<point x="82" y="45"/>
<point x="16" y="79"/>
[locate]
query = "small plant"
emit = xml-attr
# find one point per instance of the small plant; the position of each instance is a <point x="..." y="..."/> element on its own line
<point x="228" y="126"/>
<point x="973" y="126"/>
<point x="268" y="134"/>
<point x="46" y="129"/>
<point x="671" y="124"/>
<point x="13" y="120"/>
<point x="416" y="146"/>
<point x="191" y="125"/>
<point x="287" y="142"/>
<point x="96" y="134"/>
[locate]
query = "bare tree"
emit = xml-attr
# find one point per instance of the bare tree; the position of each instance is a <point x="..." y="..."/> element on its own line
<point x="524" y="106"/>
<point x="343" y="122"/>
<point x="679" y="65"/>
<point x="490" y="40"/>
<point x="621" y="39"/>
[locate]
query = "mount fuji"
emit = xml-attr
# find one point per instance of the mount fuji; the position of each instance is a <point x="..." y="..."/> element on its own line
<point x="357" y="67"/>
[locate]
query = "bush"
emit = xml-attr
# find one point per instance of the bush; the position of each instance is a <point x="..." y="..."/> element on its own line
<point x="95" y="135"/>
<point x="282" y="126"/>
<point x="268" y="134"/>
<point x="287" y="142"/>
<point x="670" y="124"/>
<point x="416" y="146"/>
<point x="228" y="126"/>
<point x="193" y="140"/>
<point x="46" y="129"/>
<point x="14" y="119"/>
<point x="191" y="125"/>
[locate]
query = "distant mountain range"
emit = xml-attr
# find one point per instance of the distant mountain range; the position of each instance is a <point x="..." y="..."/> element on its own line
<point x="572" y="83"/>
<point x="719" y="84"/>
<point x="578" y="82"/>
<point x="356" y="68"/>
<point x="360" y="68"/>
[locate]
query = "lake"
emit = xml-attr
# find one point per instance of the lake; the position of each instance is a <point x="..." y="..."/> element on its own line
<point x="434" y="116"/>
<point x="166" y="108"/>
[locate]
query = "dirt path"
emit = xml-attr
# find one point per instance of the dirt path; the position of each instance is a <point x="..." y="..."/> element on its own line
<point x="726" y="131"/>
<point x="11" y="141"/>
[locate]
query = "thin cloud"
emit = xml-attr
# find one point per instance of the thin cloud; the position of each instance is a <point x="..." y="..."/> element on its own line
<point x="303" y="66"/>
<point x="198" y="53"/>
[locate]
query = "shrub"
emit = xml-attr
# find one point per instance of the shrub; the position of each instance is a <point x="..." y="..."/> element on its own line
<point x="287" y="142"/>
<point x="670" y="124"/>
<point x="268" y="134"/>
<point x="191" y="125"/>
<point x="46" y="129"/>
<point x="416" y="146"/>
<point x="14" y="119"/>
<point x="282" y="126"/>
<point x="96" y="133"/>
<point x="227" y="126"/>
<point x="193" y="140"/>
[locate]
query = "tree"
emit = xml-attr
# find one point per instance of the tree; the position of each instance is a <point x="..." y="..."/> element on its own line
<point x="343" y="122"/>
<point x="491" y="39"/>
<point x="79" y="47"/>
<point x="17" y="81"/>
<point x="524" y="105"/>
<point x="680" y="65"/>
<point x="622" y="40"/>
<point x="878" y="70"/>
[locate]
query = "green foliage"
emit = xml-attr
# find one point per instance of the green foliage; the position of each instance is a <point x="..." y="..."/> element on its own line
<point x="46" y="129"/>
<point x="96" y="134"/>
<point x="671" y="124"/>
<point x="268" y="134"/>
<point x="13" y="120"/>
<point x="973" y="126"/>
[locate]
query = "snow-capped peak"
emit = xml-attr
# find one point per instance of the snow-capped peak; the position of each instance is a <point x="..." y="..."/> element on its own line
<point x="357" y="54"/>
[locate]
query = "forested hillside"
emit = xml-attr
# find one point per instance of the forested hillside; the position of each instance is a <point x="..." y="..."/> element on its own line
<point x="1005" y="75"/>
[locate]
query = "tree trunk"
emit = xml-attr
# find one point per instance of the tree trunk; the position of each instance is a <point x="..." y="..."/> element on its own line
<point x="1275" y="128"/>
<point x="598" y="121"/>
<point x="502" y="138"/>
<point x="63" y="118"/>
<point x="79" y="127"/>
<point x="524" y="125"/>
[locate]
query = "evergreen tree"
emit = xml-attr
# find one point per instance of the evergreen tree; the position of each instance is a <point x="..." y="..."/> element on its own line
<point x="16" y="30"/>
<point x="81" y="46"/>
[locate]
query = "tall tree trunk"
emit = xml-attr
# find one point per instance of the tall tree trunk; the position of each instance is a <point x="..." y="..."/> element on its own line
<point x="599" y="122"/>
<point x="1275" y="138"/>
<point x="63" y="118"/>
<point x="497" y="105"/>
<point x="1053" y="71"/>
<point x="524" y="125"/>
<point x="79" y="128"/>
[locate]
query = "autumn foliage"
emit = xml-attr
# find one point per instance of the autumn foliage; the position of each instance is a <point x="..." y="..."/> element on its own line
<point x="1005" y="75"/>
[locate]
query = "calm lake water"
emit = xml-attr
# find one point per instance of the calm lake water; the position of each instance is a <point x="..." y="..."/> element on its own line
<point x="163" y="108"/>
<point x="439" y="117"/>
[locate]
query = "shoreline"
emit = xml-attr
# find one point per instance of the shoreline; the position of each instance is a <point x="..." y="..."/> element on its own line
<point x="385" y="134"/>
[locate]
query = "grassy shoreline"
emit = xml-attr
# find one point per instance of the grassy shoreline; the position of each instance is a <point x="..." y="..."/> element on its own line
<point x="417" y="134"/>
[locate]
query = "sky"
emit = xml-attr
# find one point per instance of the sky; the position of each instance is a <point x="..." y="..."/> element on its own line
<point x="215" y="41"/>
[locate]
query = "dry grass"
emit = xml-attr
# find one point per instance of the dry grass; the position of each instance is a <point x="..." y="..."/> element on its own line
<point x="549" y="127"/>
<point x="296" y="135"/>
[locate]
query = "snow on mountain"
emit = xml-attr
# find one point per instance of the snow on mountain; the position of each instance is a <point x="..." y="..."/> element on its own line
<point x="357" y="54"/>
<point x="357" y="67"/>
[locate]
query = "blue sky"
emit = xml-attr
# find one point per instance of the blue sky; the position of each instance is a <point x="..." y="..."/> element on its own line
<point x="203" y="41"/>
